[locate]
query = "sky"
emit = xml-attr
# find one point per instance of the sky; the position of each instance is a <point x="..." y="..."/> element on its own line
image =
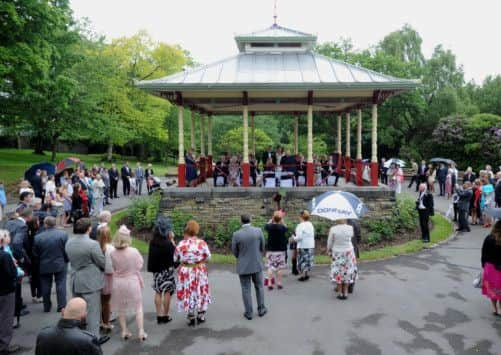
<point x="206" y="27"/>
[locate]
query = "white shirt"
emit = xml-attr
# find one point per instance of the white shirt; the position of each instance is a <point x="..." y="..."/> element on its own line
<point x="340" y="238"/>
<point x="305" y="235"/>
<point x="108" y="267"/>
<point x="421" y="205"/>
<point x="50" y="187"/>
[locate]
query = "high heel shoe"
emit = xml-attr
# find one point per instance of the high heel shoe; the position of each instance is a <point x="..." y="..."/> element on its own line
<point x="142" y="336"/>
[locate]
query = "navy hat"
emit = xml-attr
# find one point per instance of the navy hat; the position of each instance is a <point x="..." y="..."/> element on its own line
<point x="163" y="224"/>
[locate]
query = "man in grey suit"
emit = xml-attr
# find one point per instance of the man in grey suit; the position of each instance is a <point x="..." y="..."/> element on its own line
<point x="139" y="179"/>
<point x="86" y="276"/>
<point x="248" y="245"/>
<point x="49" y="250"/>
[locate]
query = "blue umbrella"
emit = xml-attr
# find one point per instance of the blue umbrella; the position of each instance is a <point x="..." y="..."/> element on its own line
<point x="336" y="205"/>
<point x="49" y="167"/>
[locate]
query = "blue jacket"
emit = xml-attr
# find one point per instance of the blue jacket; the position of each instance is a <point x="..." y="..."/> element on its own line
<point x="3" y="198"/>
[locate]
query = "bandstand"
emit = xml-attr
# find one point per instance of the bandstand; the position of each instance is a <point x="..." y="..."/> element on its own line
<point x="277" y="71"/>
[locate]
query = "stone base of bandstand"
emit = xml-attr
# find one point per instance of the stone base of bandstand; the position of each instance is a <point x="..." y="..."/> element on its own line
<point x="214" y="205"/>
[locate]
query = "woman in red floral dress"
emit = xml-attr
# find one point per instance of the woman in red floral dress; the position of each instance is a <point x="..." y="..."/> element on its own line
<point x="192" y="287"/>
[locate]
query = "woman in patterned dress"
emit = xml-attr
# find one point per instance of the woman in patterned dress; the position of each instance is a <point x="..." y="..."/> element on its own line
<point x="161" y="264"/>
<point x="276" y="250"/>
<point x="193" y="295"/>
<point x="344" y="262"/>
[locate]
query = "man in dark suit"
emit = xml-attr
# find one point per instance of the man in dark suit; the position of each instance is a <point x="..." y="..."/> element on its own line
<point x="269" y="154"/>
<point x="125" y="172"/>
<point x="36" y="183"/>
<point x="8" y="282"/>
<point x="497" y="190"/>
<point x="49" y="250"/>
<point x="441" y="177"/>
<point x="67" y="337"/>
<point x="424" y="205"/>
<point x="464" y="198"/>
<point x="247" y="245"/>
<point x="422" y="170"/>
<point x="114" y="176"/>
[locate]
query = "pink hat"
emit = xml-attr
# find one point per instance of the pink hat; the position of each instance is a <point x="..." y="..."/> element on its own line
<point x="124" y="230"/>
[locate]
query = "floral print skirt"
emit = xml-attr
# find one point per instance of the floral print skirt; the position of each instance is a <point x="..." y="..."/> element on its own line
<point x="344" y="267"/>
<point x="164" y="281"/>
<point x="275" y="260"/>
<point x="192" y="289"/>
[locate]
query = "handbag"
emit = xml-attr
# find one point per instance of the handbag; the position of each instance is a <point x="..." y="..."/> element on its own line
<point x="477" y="282"/>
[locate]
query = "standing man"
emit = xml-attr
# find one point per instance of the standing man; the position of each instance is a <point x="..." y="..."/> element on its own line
<point x="441" y="177"/>
<point x="67" y="337"/>
<point x="269" y="154"/>
<point x="422" y="170"/>
<point x="464" y="198"/>
<point x="87" y="277"/>
<point x="8" y="284"/>
<point x="36" y="183"/>
<point x="106" y="179"/>
<point x="139" y="178"/>
<point x="247" y="245"/>
<point x="125" y="172"/>
<point x="113" y="173"/>
<point x="49" y="249"/>
<point x="425" y="209"/>
<point x="414" y="172"/>
<point x="383" y="171"/>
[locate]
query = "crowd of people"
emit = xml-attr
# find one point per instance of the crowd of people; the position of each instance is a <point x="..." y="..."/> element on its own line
<point x="105" y="277"/>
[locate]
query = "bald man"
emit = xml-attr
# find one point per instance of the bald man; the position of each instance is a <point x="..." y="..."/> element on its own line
<point x="67" y="337"/>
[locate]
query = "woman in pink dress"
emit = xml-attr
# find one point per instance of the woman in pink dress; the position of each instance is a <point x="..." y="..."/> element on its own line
<point x="127" y="291"/>
<point x="448" y="184"/>
<point x="192" y="287"/>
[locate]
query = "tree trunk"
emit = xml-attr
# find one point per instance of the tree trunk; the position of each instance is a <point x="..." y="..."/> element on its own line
<point x="109" y="152"/>
<point x="19" y="142"/>
<point x="54" y="148"/>
<point x="38" y="148"/>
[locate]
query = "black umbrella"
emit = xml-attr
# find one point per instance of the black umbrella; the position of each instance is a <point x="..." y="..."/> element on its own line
<point x="442" y="160"/>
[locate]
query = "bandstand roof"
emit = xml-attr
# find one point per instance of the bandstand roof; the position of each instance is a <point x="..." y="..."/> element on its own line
<point x="277" y="67"/>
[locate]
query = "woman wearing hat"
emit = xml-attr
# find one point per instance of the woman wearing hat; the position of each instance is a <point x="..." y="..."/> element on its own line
<point x="161" y="264"/>
<point x="127" y="291"/>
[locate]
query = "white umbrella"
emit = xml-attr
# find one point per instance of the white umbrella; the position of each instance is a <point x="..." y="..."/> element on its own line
<point x="335" y="205"/>
<point x="394" y="161"/>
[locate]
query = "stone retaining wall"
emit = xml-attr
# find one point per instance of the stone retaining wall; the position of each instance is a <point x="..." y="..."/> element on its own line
<point x="212" y="206"/>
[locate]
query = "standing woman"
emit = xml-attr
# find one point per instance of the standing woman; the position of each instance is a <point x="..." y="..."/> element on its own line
<point x="193" y="295"/>
<point x="344" y="262"/>
<point x="448" y="184"/>
<point x="276" y="250"/>
<point x="399" y="174"/>
<point x="432" y="175"/>
<point x="161" y="264"/>
<point x="487" y="200"/>
<point x="76" y="204"/>
<point x="305" y="238"/>
<point x="491" y="264"/>
<point x="127" y="291"/>
<point x="98" y="195"/>
<point x="104" y="239"/>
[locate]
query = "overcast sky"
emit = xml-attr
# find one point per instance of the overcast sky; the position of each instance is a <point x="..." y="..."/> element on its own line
<point x="471" y="29"/>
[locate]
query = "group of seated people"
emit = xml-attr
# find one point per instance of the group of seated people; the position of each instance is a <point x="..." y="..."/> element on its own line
<point x="275" y="169"/>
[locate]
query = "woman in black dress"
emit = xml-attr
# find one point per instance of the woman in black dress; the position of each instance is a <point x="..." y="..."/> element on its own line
<point x="161" y="264"/>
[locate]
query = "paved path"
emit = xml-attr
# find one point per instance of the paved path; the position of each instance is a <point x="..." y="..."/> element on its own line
<point x="417" y="304"/>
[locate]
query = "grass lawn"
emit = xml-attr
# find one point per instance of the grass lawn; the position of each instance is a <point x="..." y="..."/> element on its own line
<point x="14" y="162"/>
<point x="442" y="229"/>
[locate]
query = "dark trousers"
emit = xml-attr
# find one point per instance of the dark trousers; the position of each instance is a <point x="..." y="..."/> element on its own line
<point x="36" y="291"/>
<point x="113" y="188"/>
<point x="126" y="185"/>
<point x="414" y="179"/>
<point x="46" y="281"/>
<point x="384" y="178"/>
<point x="463" y="220"/>
<point x="456" y="211"/>
<point x="424" y="219"/>
<point x="245" y="283"/>
<point x="441" y="184"/>
<point x="139" y="186"/>
<point x="7" y="305"/>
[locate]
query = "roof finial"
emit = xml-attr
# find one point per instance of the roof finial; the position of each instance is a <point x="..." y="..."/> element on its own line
<point x="275" y="13"/>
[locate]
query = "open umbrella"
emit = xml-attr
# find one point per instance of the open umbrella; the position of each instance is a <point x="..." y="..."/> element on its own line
<point x="66" y="163"/>
<point x="493" y="212"/>
<point x="336" y="205"/>
<point x="28" y="174"/>
<point x="442" y="160"/>
<point x="394" y="161"/>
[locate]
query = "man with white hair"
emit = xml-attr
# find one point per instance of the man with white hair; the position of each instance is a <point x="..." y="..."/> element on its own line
<point x="67" y="337"/>
<point x="424" y="205"/>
